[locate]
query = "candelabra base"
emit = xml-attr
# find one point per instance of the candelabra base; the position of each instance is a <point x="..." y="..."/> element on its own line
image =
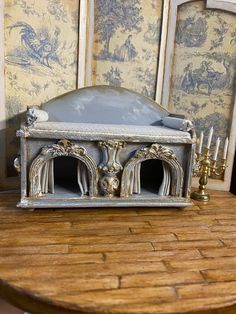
<point x="200" y="195"/>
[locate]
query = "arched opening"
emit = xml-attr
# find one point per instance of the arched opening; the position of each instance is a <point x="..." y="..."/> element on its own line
<point x="151" y="176"/>
<point x="65" y="175"/>
<point x="171" y="173"/>
<point x="75" y="163"/>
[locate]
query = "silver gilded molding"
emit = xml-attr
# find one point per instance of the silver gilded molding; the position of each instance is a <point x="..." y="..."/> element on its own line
<point x="62" y="148"/>
<point x="155" y="151"/>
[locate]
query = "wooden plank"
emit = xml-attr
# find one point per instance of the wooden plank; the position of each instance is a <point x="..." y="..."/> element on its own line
<point x="226" y="226"/>
<point x="172" y="230"/>
<point x="227" y="223"/>
<point x="35" y="226"/>
<point x="218" y="252"/>
<point x="35" y="249"/>
<point x="204" y="264"/>
<point x="50" y="237"/>
<point x="217" y="275"/>
<point x="173" y="211"/>
<point x="59" y="271"/>
<point x="152" y="256"/>
<point x="110" y="224"/>
<point x="199" y="305"/>
<point x="114" y="247"/>
<point x="183" y="245"/>
<point x="122" y="296"/>
<point x="53" y="259"/>
<point x="212" y="290"/>
<point x="229" y="242"/>
<point x="161" y="279"/>
<point x="77" y="284"/>
<point x="185" y="236"/>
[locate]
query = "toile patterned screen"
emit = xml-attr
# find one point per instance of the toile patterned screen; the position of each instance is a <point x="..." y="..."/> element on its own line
<point x="126" y="44"/>
<point x="204" y="67"/>
<point x="41" y="39"/>
<point x="41" y="54"/>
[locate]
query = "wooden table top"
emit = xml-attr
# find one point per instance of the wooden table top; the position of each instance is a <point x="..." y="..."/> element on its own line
<point x="123" y="260"/>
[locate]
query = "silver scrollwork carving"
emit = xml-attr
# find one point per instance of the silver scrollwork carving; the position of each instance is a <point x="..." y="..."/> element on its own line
<point x="155" y="151"/>
<point x="23" y="132"/>
<point x="110" y="167"/>
<point x="62" y="148"/>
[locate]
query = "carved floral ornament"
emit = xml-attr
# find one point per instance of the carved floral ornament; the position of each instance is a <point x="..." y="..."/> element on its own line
<point x="160" y="152"/>
<point x="155" y="151"/>
<point x="110" y="166"/>
<point x="62" y="148"/>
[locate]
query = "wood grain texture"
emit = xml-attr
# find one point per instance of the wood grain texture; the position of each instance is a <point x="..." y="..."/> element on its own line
<point x="120" y="260"/>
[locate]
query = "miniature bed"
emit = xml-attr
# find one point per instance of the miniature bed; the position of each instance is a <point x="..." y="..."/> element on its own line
<point x="104" y="146"/>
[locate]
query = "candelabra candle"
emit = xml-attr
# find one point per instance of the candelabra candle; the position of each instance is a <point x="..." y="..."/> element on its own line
<point x="209" y="138"/>
<point x="207" y="167"/>
<point x="216" y="149"/>
<point x="225" y="148"/>
<point x="200" y="143"/>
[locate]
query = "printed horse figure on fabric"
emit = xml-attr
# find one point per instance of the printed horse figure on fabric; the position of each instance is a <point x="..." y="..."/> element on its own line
<point x="209" y="81"/>
<point x="203" y="76"/>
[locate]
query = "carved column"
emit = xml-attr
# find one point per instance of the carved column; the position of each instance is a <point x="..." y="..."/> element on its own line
<point x="110" y="167"/>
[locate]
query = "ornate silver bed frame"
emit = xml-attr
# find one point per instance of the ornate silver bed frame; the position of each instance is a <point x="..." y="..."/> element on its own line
<point x="111" y="132"/>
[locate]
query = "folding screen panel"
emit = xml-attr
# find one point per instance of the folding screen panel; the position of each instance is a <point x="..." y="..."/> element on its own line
<point x="160" y="48"/>
<point x="40" y="62"/>
<point x="200" y="70"/>
<point x="126" y="44"/>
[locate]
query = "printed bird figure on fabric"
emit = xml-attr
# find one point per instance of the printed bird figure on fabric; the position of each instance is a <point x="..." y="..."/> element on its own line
<point x="39" y="45"/>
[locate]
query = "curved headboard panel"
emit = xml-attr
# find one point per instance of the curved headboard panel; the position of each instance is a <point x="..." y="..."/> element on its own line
<point x="105" y="104"/>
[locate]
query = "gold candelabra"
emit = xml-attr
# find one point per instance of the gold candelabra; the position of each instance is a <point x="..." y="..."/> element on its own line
<point x="206" y="166"/>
